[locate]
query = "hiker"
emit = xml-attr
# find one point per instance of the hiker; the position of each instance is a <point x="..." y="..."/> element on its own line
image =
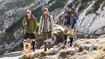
<point x="30" y="27"/>
<point x="70" y="19"/>
<point x="46" y="27"/>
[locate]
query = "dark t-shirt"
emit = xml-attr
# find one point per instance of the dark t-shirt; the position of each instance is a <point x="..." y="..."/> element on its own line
<point x="45" y="25"/>
<point x="29" y="27"/>
<point x="68" y="18"/>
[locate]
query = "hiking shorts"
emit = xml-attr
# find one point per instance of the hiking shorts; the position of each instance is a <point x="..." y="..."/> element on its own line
<point x="29" y="35"/>
<point x="71" y="31"/>
<point x="46" y="35"/>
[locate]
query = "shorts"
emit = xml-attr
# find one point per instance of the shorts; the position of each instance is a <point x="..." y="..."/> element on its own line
<point x="46" y="35"/>
<point x="69" y="29"/>
<point x="29" y="35"/>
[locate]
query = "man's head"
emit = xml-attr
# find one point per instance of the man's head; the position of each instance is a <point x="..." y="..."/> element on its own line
<point x="69" y="7"/>
<point x="45" y="11"/>
<point x="28" y="12"/>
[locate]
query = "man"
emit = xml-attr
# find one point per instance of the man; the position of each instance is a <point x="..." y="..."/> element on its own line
<point x="70" y="17"/>
<point x="30" y="27"/>
<point x="46" y="27"/>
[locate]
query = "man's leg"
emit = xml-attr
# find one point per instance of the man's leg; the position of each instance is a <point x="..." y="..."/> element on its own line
<point x="71" y="35"/>
<point x="27" y="37"/>
<point x="49" y="39"/>
<point x="33" y="41"/>
<point x="44" y="38"/>
<point x="33" y="44"/>
<point x="65" y="35"/>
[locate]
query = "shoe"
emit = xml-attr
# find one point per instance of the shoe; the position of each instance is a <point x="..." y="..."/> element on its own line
<point x="45" y="49"/>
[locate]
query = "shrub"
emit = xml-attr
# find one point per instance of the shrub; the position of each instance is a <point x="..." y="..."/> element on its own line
<point x="81" y="7"/>
<point x="84" y="1"/>
<point x="18" y="23"/>
<point x="96" y="6"/>
<point x="57" y="4"/>
<point x="14" y="25"/>
<point x="37" y="13"/>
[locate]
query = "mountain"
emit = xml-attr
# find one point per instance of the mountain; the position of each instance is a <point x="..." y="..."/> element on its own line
<point x="91" y="19"/>
<point x="12" y="13"/>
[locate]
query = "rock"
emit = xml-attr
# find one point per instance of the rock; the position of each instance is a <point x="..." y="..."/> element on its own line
<point x="26" y="56"/>
<point x="65" y="52"/>
<point x="102" y="36"/>
<point x="99" y="54"/>
<point x="93" y="47"/>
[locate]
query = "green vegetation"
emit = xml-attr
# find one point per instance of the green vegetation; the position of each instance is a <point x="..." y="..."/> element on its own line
<point x="81" y="8"/>
<point x="84" y="1"/>
<point x="18" y="23"/>
<point x="37" y="13"/>
<point x="14" y="25"/>
<point x="96" y="6"/>
<point x="50" y="1"/>
<point x="57" y="4"/>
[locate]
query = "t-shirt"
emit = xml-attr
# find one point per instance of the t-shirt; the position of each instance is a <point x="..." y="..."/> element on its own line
<point x="68" y="19"/>
<point x="45" y="25"/>
<point x="29" y="26"/>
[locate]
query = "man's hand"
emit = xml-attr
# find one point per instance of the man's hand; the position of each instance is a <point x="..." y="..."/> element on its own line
<point x="52" y="32"/>
<point x="72" y="14"/>
<point x="26" y="23"/>
<point x="34" y="32"/>
<point x="66" y="14"/>
<point x="39" y="33"/>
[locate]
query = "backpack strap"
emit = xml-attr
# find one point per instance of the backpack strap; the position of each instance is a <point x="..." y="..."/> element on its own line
<point x="48" y="17"/>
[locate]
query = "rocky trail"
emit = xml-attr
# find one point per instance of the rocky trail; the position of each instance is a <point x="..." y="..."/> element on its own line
<point x="81" y="49"/>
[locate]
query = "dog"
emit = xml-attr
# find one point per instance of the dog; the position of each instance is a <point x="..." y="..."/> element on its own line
<point x="26" y="47"/>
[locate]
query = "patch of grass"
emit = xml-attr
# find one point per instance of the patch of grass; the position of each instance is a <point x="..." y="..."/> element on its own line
<point x="37" y="13"/>
<point x="99" y="55"/>
<point x="89" y="12"/>
<point x="81" y="8"/>
<point x="103" y="6"/>
<point x="84" y="1"/>
<point x="57" y="4"/>
<point x="96" y="6"/>
<point x="64" y="53"/>
<point x="15" y="25"/>
<point x="50" y="1"/>
<point x="26" y="56"/>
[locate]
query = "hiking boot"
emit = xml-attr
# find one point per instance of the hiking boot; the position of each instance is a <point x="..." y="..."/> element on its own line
<point x="65" y="43"/>
<point x="45" y="46"/>
<point x="45" y="49"/>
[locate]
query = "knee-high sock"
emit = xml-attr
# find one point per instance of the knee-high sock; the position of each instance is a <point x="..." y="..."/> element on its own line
<point x="65" y="37"/>
<point x="45" y="47"/>
<point x="33" y="45"/>
<point x="49" y="45"/>
<point x="71" y="39"/>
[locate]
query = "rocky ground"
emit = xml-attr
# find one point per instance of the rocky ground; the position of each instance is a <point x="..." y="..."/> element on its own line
<point x="81" y="49"/>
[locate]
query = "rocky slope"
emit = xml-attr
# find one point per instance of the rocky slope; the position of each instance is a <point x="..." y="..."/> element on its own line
<point x="12" y="12"/>
<point x="11" y="16"/>
<point x="81" y="49"/>
<point x="90" y="21"/>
